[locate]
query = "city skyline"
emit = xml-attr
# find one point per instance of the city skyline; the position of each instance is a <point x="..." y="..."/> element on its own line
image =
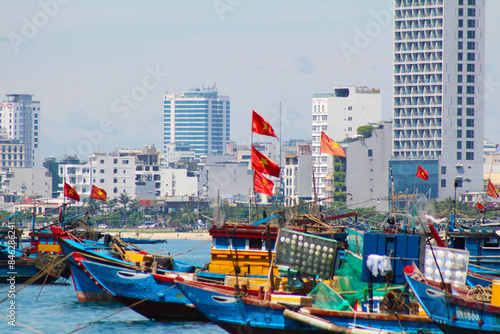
<point x="100" y="71"/>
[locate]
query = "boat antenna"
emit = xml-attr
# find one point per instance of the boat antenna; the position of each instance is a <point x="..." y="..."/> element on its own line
<point x="393" y="198"/>
<point x="282" y="193"/>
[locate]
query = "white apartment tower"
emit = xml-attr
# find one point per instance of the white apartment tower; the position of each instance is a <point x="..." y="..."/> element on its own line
<point x="339" y="114"/>
<point x="439" y="66"/>
<point x="19" y="120"/>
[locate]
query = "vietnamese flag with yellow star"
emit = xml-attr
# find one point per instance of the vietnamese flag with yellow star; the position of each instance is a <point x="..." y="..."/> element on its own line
<point x="329" y="146"/>
<point x="261" y="127"/>
<point x="70" y="192"/>
<point x="263" y="164"/>
<point x="262" y="185"/>
<point x="98" y="193"/>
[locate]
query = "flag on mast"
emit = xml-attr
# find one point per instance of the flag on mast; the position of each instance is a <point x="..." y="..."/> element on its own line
<point x="261" y="127"/>
<point x="329" y="146"/>
<point x="263" y="164"/>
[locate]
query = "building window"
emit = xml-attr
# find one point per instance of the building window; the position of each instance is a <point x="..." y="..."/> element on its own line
<point x="469" y="155"/>
<point x="443" y="183"/>
<point x="459" y="182"/>
<point x="471" y="56"/>
<point x="101" y="180"/>
<point x="115" y="180"/>
<point x="460" y="56"/>
<point x="459" y="122"/>
<point x="115" y="170"/>
<point x="470" y="67"/>
<point x="459" y="100"/>
<point x="102" y="161"/>
<point x="459" y="145"/>
<point x="471" y="2"/>
<point x="125" y="162"/>
<point x="459" y="78"/>
<point x="349" y="108"/>
<point x="443" y="170"/>
<point x="459" y="111"/>
<point x="470" y="79"/>
<point x="460" y="12"/>
<point x="469" y="145"/>
<point x="471" y="12"/>
<point x="469" y="134"/>
<point x="370" y="153"/>
<point x="460" y="23"/>
<point x="459" y="67"/>
<point x="470" y="111"/>
<point x="349" y="118"/>
<point x="115" y="190"/>
<point x="471" y="23"/>
<point x="460" y="45"/>
<point x="459" y="89"/>
<point x="459" y="133"/>
<point x="102" y="171"/>
<point x="470" y="122"/>
<point x="471" y="34"/>
<point x="115" y="161"/>
<point x="459" y="155"/>
<point x="470" y="101"/>
<point x="470" y="89"/>
<point x="471" y="45"/>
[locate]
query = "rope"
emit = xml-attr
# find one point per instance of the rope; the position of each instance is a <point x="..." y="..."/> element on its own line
<point x="36" y="277"/>
<point x="121" y="310"/>
<point x="194" y="248"/>
<point x="22" y="325"/>
<point x="479" y="293"/>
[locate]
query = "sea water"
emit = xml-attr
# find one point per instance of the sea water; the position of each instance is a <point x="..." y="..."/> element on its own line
<point x="54" y="308"/>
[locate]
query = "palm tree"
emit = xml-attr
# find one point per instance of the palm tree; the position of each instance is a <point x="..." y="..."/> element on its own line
<point x="123" y="199"/>
<point x="110" y="204"/>
<point x="134" y="205"/>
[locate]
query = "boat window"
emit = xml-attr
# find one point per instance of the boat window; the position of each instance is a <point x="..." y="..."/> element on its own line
<point x="255" y="244"/>
<point x="491" y="242"/>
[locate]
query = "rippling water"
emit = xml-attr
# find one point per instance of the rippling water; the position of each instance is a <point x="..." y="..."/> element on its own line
<point x="58" y="311"/>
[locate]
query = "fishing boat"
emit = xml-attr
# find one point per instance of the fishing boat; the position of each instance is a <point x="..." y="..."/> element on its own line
<point x="143" y="291"/>
<point x="144" y="241"/>
<point x="456" y="310"/>
<point x="111" y="251"/>
<point x="236" y="308"/>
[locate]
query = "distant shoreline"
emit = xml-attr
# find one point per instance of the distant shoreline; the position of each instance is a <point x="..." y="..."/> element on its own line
<point x="151" y="234"/>
<point x="160" y="234"/>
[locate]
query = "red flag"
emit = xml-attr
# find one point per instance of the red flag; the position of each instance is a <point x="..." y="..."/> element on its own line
<point x="70" y="192"/>
<point x="262" y="164"/>
<point x="329" y="146"/>
<point x="480" y="206"/>
<point x="422" y="173"/>
<point x="492" y="190"/>
<point x="260" y="126"/>
<point x="262" y="185"/>
<point x="98" y="193"/>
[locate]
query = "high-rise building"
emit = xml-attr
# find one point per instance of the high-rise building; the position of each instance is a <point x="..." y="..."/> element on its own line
<point x="200" y="118"/>
<point x="19" y="120"/>
<point x="339" y="114"/>
<point x="439" y="65"/>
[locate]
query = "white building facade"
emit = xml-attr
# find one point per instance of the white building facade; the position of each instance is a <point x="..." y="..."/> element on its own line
<point x="339" y="114"/>
<point x="20" y="120"/>
<point x="439" y="65"/>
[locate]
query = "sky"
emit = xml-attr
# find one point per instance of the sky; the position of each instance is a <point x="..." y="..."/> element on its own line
<point x="101" y="68"/>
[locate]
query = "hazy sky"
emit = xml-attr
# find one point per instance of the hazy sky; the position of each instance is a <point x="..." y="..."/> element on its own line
<point x="100" y="69"/>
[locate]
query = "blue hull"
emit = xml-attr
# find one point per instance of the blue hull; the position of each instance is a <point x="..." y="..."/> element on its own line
<point x="454" y="314"/>
<point x="155" y="299"/>
<point x="233" y="313"/>
<point x="86" y="290"/>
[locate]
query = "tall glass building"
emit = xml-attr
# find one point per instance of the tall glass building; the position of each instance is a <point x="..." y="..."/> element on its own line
<point x="439" y="68"/>
<point x="199" y="118"/>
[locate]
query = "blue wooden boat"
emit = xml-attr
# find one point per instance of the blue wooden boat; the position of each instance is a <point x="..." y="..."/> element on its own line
<point x="155" y="296"/>
<point x="138" y="241"/>
<point x="245" y="312"/>
<point x="125" y="256"/>
<point x="452" y="311"/>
